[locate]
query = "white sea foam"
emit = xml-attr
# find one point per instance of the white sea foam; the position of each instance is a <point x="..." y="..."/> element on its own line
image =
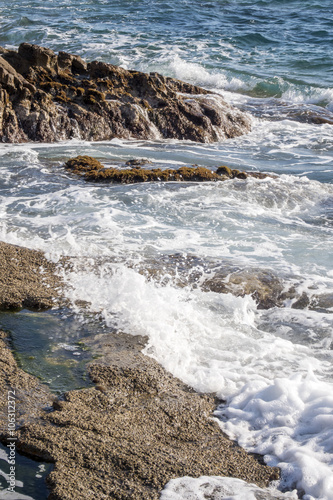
<point x="274" y="368"/>
<point x="196" y="74"/>
<point x="310" y="95"/>
<point x="290" y="422"/>
<point x="219" y="488"/>
<point x="212" y="343"/>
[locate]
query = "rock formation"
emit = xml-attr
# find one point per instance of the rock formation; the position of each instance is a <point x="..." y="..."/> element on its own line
<point x="27" y="279"/>
<point x="127" y="437"/>
<point x="93" y="170"/>
<point x="47" y="97"/>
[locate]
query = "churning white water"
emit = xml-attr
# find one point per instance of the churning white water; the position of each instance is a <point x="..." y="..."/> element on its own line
<point x="273" y="368"/>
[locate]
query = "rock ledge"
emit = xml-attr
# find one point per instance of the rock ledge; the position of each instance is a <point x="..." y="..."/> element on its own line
<point x="48" y="97"/>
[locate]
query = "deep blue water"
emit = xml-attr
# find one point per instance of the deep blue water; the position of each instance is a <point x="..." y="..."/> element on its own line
<point x="280" y="43"/>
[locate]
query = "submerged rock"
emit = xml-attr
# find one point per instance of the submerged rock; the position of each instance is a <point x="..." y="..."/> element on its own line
<point x="263" y="285"/>
<point x="30" y="396"/>
<point x="48" y="97"/>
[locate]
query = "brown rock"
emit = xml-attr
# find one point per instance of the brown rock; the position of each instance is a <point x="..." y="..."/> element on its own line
<point x="37" y="56"/>
<point x="27" y="279"/>
<point x="92" y="170"/>
<point x="49" y="97"/>
<point x="141" y="428"/>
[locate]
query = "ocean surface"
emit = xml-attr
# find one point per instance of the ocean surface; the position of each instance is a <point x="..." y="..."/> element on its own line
<point x="133" y="245"/>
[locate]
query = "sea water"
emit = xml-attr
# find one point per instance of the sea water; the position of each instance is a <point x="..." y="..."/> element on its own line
<point x="133" y="245"/>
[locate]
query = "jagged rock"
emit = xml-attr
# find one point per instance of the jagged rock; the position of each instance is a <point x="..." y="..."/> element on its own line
<point x="48" y="97"/>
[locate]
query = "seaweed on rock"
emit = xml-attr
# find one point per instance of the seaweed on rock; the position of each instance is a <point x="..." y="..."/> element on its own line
<point x="48" y="97"/>
<point x="92" y="170"/>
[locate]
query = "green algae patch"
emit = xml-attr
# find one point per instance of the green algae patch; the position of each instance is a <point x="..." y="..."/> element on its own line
<point x="92" y="170"/>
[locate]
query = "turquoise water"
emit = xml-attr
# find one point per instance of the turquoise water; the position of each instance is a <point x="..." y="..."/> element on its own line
<point x="273" y="59"/>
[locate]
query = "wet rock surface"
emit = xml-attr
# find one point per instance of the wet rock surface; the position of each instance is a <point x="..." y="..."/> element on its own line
<point x="128" y="436"/>
<point x="266" y="288"/>
<point x="31" y="397"/>
<point x="27" y="279"/>
<point x="219" y="277"/>
<point x="49" y="97"/>
<point x="137" y="429"/>
<point x="93" y="170"/>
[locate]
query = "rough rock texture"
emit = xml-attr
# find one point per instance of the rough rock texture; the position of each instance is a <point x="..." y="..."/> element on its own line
<point x="93" y="170"/>
<point x="129" y="435"/>
<point x="48" y="97"/>
<point x="128" y="438"/>
<point x="27" y="279"/>
<point x="265" y="287"/>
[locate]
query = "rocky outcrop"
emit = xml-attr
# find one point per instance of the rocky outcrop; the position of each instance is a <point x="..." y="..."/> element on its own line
<point x="126" y="437"/>
<point x="50" y="97"/>
<point x="93" y="170"/>
<point x="27" y="279"/>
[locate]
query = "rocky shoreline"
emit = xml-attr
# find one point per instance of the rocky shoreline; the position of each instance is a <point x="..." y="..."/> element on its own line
<point x="27" y="279"/>
<point x="128" y="436"/>
<point x="138" y="427"/>
<point x="49" y="97"/>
